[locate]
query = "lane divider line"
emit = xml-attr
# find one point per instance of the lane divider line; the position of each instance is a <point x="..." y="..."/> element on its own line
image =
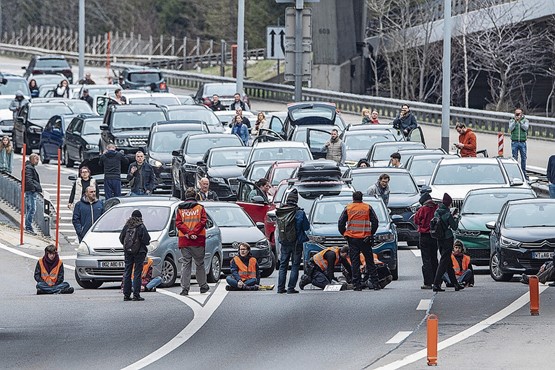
<point x="26" y="255"/>
<point x="423" y="305"/>
<point x="399" y="337"/>
<point x="416" y="252"/>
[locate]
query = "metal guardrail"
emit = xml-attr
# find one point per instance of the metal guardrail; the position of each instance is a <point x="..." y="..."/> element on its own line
<point x="10" y="192"/>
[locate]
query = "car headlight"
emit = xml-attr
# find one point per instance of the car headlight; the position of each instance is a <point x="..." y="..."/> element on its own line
<point x="83" y="248"/>
<point x="91" y="146"/>
<point x="154" y="162"/>
<point x="121" y="142"/>
<point x="34" y="129"/>
<point x="317" y="238"/>
<point x="153" y="245"/>
<point x="509" y="243"/>
<point x="263" y="243"/>
<point x="414" y="207"/>
<point x="384" y="238"/>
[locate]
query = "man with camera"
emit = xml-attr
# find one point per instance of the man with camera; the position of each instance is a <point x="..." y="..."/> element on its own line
<point x="405" y="121"/>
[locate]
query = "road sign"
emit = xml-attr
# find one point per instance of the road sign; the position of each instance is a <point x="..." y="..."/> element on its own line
<point x="289" y="74"/>
<point x="275" y="42"/>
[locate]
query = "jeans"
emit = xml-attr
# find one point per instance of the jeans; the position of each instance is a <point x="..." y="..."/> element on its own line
<point x="428" y="251"/>
<point x="30" y="209"/>
<point x="293" y="253"/>
<point x="516" y="147"/>
<point x="356" y="247"/>
<point x="552" y="191"/>
<point x="112" y="188"/>
<point x="54" y="289"/>
<point x="154" y="282"/>
<point x="233" y="283"/>
<point x="133" y="261"/>
<point x="466" y="277"/>
<point x="189" y="254"/>
<point x="445" y="247"/>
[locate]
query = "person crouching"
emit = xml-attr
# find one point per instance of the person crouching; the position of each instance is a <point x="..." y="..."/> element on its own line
<point x="244" y="270"/>
<point x="49" y="273"/>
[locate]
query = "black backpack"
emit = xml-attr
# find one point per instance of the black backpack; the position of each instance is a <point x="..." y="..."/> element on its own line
<point x="286" y="223"/>
<point x="437" y="227"/>
<point x="131" y="243"/>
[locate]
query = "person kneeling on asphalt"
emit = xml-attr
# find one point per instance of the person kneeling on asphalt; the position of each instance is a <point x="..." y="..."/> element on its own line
<point x="245" y="274"/>
<point x="384" y="273"/>
<point x="320" y="268"/>
<point x="49" y="273"/>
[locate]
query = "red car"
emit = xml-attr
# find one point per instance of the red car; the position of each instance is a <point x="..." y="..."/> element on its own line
<point x="280" y="170"/>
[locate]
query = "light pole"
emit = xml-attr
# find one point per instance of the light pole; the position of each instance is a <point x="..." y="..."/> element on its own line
<point x="446" y="83"/>
<point x="240" y="45"/>
<point x="81" y="39"/>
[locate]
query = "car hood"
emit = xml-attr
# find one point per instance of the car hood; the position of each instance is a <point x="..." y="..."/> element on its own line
<point x="97" y="240"/>
<point x="457" y="191"/>
<point x="5" y="114"/>
<point x="91" y="138"/>
<point x="476" y="222"/>
<point x="531" y="234"/>
<point x="226" y="172"/>
<point x="331" y="229"/>
<point x="402" y="200"/>
<point x="130" y="133"/>
<point x="39" y="122"/>
<point x="245" y="234"/>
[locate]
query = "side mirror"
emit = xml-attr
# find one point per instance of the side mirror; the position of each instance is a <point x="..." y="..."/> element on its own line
<point x="490" y="225"/>
<point x="72" y="177"/>
<point x="176" y="153"/>
<point x="104" y="127"/>
<point x="258" y="199"/>
<point x="396" y="218"/>
<point x="200" y="163"/>
<point x="516" y="182"/>
<point x="260" y="225"/>
<point x="241" y="163"/>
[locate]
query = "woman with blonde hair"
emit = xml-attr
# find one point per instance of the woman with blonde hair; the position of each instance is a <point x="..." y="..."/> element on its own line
<point x="260" y="123"/>
<point x="6" y="155"/>
<point x="366" y="119"/>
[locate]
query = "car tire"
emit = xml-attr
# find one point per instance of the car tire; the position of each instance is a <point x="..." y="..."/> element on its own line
<point x="87" y="284"/>
<point x="267" y="272"/>
<point x="69" y="162"/>
<point x="495" y="270"/>
<point x="42" y="156"/>
<point x="215" y="269"/>
<point x="395" y="273"/>
<point x="168" y="273"/>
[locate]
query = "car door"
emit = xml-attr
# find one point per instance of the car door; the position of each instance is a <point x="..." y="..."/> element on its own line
<point x="316" y="139"/>
<point x="276" y="124"/>
<point x="101" y="104"/>
<point x="213" y="242"/>
<point x="46" y="136"/>
<point x="416" y="135"/>
<point x="72" y="137"/>
<point x="256" y="208"/>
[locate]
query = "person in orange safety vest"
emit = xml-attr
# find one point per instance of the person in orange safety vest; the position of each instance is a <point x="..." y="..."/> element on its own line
<point x="461" y="265"/>
<point x="384" y="273"/>
<point x="245" y="274"/>
<point x="49" y="273"/>
<point x="321" y="266"/>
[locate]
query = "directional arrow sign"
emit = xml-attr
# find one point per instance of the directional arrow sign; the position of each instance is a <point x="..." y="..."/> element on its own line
<point x="275" y="42"/>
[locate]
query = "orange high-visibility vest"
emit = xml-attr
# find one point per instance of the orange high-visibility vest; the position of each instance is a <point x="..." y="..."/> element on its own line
<point x="245" y="272"/>
<point x="146" y="266"/>
<point x="358" y="220"/>
<point x="457" y="267"/>
<point x="320" y="260"/>
<point x="51" y="277"/>
<point x="191" y="217"/>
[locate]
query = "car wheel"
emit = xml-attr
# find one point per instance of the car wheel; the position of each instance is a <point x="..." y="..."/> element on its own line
<point x="87" y="284"/>
<point x="69" y="162"/>
<point x="268" y="271"/>
<point x="169" y="273"/>
<point x="42" y="155"/>
<point x="395" y="273"/>
<point x="215" y="269"/>
<point x="495" y="269"/>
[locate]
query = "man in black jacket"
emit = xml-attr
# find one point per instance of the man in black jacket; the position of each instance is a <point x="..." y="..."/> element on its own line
<point x="32" y="189"/>
<point x="112" y="162"/>
<point x="216" y="104"/>
<point x="142" y="180"/>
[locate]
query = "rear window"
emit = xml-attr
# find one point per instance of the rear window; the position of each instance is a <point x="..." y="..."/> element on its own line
<point x="193" y="114"/>
<point x="45" y="112"/>
<point x="200" y="145"/>
<point x="228" y="157"/>
<point x="161" y="100"/>
<point x="52" y="63"/>
<point x="469" y="174"/>
<point x="144" y="77"/>
<point x="167" y="141"/>
<point x="226" y="90"/>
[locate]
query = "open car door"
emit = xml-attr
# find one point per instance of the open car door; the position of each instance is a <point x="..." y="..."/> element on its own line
<point x="416" y="135"/>
<point x="316" y="139"/>
<point x="101" y="103"/>
<point x="253" y="200"/>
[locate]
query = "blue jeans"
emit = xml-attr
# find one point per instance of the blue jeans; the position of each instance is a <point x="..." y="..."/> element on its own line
<point x="54" y="289"/>
<point x="466" y="277"/>
<point x="112" y="188"/>
<point x="154" y="282"/>
<point x="293" y="253"/>
<point x="233" y="283"/>
<point x="136" y="261"/>
<point x="516" y="147"/>
<point x="552" y="191"/>
<point x="30" y="209"/>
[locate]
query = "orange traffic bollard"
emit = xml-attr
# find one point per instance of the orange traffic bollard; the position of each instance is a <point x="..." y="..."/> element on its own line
<point x="432" y="340"/>
<point x="533" y="283"/>
<point x="500" y="144"/>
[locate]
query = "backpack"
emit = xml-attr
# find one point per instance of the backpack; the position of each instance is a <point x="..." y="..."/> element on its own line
<point x="286" y="223"/>
<point x="437" y="227"/>
<point x="131" y="243"/>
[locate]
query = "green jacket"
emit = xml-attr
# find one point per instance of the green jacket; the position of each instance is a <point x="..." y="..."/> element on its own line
<point x="452" y="223"/>
<point x="519" y="129"/>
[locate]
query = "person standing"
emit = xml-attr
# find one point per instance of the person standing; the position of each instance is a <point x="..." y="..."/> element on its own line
<point x="136" y="230"/>
<point x="216" y="104"/>
<point x="427" y="244"/>
<point x="86" y="97"/>
<point x="112" y="162"/>
<point x="366" y="118"/>
<point x="81" y="184"/>
<point x="358" y="223"/>
<point x="518" y="126"/>
<point x="62" y="91"/>
<point x="395" y="160"/>
<point x="49" y="273"/>
<point x="374" y="118"/>
<point x="204" y="192"/>
<point x="335" y="148"/>
<point x="551" y="176"/>
<point x="87" y="80"/>
<point x="467" y="141"/>
<point x="238" y="103"/>
<point x="34" y="88"/>
<point x="380" y="188"/>
<point x="259" y="124"/>
<point x="86" y="212"/>
<point x="450" y="223"/>
<point x="240" y="130"/>
<point x="405" y="121"/>
<point x="32" y="189"/>
<point x="245" y="274"/>
<point x="246" y="121"/>
<point x="191" y="225"/>
<point x="119" y="98"/>
<point x="291" y="237"/>
<point x="6" y="155"/>
<point x="142" y="180"/>
<point x="17" y="104"/>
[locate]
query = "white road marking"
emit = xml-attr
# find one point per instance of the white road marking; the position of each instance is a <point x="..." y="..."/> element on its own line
<point x="399" y="337"/>
<point x="26" y="255"/>
<point x="416" y="252"/>
<point x="482" y="325"/>
<point x="423" y="305"/>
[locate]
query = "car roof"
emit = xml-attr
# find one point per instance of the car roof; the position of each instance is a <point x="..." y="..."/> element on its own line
<point x="49" y="57"/>
<point x="147" y="201"/>
<point x="280" y="144"/>
<point x="226" y="148"/>
<point x="285" y="164"/>
<point x="387" y="170"/>
<point x="141" y="69"/>
<point x="468" y="160"/>
<point x="500" y="190"/>
<point x="188" y="107"/>
<point x="213" y="204"/>
<point x="212" y="135"/>
<point x="157" y="126"/>
<point x="136" y="107"/>
<point x="532" y="201"/>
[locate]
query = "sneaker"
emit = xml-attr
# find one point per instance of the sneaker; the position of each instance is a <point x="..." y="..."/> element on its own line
<point x="426" y="286"/>
<point x="138" y="298"/>
<point x="40" y="292"/>
<point x="204" y="289"/>
<point x="267" y="287"/>
<point x="31" y="232"/>
<point x="281" y="291"/>
<point x="184" y="292"/>
<point x="152" y="290"/>
<point x="437" y="288"/>
<point x="126" y="298"/>
<point x="524" y="279"/>
<point x="292" y="291"/>
<point x="305" y="280"/>
<point x="228" y="288"/>
<point x="69" y="290"/>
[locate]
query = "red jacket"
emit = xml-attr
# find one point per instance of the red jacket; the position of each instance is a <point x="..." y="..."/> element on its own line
<point x="186" y="228"/>
<point x="424" y="215"/>
<point x="469" y="141"/>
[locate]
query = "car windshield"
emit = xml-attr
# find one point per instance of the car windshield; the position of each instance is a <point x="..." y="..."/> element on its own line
<point x="469" y="174"/>
<point x="92" y="126"/>
<point x="399" y="183"/>
<point x="161" y="100"/>
<point x="200" y="144"/>
<point x="423" y="167"/>
<point x="361" y="141"/>
<point x="195" y="114"/>
<point x="48" y="79"/>
<point x="223" y="90"/>
<point x="46" y="111"/>
<point x="382" y="153"/>
<point x="490" y="202"/>
<point x="280" y="153"/>
<point x="329" y="212"/>
<point x="229" y="217"/>
<point x="228" y="157"/>
<point x="282" y="173"/>
<point x="530" y="215"/>
<point x="155" y="218"/>
<point x="79" y="106"/>
<point x="102" y="91"/>
<point x="12" y="85"/>
<point x="168" y="141"/>
<point x="144" y="77"/>
<point x="51" y="64"/>
<point x="136" y="120"/>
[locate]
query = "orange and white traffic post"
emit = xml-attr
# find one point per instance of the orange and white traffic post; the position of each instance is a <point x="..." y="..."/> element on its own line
<point x="500" y="144"/>
<point x="432" y="334"/>
<point x="534" y="285"/>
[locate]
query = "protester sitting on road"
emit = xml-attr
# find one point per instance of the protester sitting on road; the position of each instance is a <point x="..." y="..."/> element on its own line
<point x="245" y="274"/>
<point x="545" y="274"/>
<point x="49" y="273"/>
<point x="319" y="270"/>
<point x="461" y="266"/>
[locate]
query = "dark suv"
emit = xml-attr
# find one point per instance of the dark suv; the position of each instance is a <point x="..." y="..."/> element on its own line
<point x="143" y="78"/>
<point x="47" y="65"/>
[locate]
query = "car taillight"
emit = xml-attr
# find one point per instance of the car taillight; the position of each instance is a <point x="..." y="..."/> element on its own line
<point x="163" y="86"/>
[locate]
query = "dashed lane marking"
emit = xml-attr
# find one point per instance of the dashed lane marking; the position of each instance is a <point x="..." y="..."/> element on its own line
<point x="399" y="337"/>
<point x="423" y="305"/>
<point x="416" y="252"/>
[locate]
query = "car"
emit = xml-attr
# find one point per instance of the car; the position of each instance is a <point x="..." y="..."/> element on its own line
<point x="48" y="64"/>
<point x="403" y="196"/>
<point x="185" y="159"/>
<point x="323" y="232"/>
<point x="81" y="139"/>
<point x="279" y="151"/>
<point x="379" y="153"/>
<point x="421" y="167"/>
<point x="10" y="84"/>
<point x="219" y="165"/>
<point x="143" y="78"/>
<point x="195" y="112"/>
<point x="279" y="171"/>
<point x="224" y="90"/>
<point x="163" y="138"/>
<point x="236" y="226"/>
<point x="358" y="142"/>
<point x="100" y="254"/>
<point x="522" y="238"/>
<point x="157" y="98"/>
<point x="77" y="106"/>
<point x="6" y="116"/>
<point x="186" y="99"/>
<point x="478" y="207"/>
<point x="302" y="114"/>
<point x="52" y="137"/>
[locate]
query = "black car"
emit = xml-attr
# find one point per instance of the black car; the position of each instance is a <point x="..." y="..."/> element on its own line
<point x="195" y="112"/>
<point x="165" y="137"/>
<point x="143" y="78"/>
<point x="81" y="139"/>
<point x="523" y="238"/>
<point x="185" y="160"/>
<point x="49" y="64"/>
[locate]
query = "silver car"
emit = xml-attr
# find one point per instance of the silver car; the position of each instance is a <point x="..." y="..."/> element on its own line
<point x="100" y="253"/>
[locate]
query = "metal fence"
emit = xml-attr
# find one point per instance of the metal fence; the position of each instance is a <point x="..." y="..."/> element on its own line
<point x="10" y="191"/>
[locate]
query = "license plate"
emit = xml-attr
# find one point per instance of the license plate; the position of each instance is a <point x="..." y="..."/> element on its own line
<point x="542" y="255"/>
<point x="112" y="264"/>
